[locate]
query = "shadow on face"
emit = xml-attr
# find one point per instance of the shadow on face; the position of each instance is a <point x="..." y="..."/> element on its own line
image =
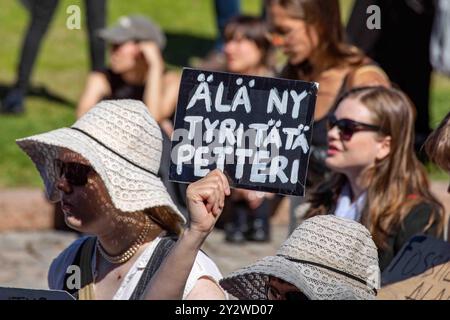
<point x="278" y="289"/>
<point x="85" y="201"/>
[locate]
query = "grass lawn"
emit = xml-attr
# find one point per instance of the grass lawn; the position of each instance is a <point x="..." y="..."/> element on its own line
<point x="62" y="66"/>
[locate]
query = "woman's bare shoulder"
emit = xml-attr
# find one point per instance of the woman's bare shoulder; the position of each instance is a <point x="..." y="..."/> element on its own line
<point x="369" y="75"/>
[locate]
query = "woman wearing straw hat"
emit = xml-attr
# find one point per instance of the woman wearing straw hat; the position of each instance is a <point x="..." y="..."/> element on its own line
<point x="104" y="169"/>
<point x="325" y="258"/>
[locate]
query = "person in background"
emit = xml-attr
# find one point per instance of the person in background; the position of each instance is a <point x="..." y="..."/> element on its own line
<point x="401" y="46"/>
<point x="247" y="49"/>
<point x="248" y="52"/>
<point x="437" y="147"/>
<point x="224" y="11"/>
<point x="377" y="179"/>
<point x="137" y="71"/>
<point x="311" y="35"/>
<point x="104" y="170"/>
<point x="41" y="13"/>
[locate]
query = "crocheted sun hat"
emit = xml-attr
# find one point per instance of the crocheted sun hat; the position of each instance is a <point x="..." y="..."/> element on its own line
<point x="326" y="258"/>
<point x="122" y="142"/>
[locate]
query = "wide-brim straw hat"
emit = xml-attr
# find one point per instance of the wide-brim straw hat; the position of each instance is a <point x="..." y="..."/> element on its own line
<point x="122" y="142"/>
<point x="326" y="258"/>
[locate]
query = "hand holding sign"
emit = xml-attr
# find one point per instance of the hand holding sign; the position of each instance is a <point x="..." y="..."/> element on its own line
<point x="256" y="130"/>
<point x="205" y="200"/>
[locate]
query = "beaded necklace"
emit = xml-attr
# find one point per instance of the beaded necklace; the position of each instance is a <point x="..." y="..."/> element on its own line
<point x="130" y="252"/>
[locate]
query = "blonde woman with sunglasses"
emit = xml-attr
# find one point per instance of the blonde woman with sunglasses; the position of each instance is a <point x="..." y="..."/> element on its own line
<point x="377" y="178"/>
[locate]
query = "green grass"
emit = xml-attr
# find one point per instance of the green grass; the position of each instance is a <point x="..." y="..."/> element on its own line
<point x="62" y="67"/>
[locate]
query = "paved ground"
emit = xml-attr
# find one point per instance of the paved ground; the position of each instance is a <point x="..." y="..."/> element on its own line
<point x="26" y="256"/>
<point x="28" y="244"/>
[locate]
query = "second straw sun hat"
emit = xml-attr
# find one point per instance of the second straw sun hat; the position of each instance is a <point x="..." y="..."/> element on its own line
<point x="326" y="258"/>
<point x="123" y="144"/>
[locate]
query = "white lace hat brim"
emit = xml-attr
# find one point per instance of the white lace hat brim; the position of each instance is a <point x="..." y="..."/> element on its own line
<point x="249" y="283"/>
<point x="131" y="188"/>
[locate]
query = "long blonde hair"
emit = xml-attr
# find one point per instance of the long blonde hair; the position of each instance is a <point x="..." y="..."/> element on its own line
<point x="437" y="145"/>
<point x="398" y="182"/>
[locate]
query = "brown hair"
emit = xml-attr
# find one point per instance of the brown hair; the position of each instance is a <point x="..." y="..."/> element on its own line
<point x="396" y="183"/>
<point x="251" y="28"/>
<point x="437" y="145"/>
<point x="166" y="219"/>
<point x="333" y="50"/>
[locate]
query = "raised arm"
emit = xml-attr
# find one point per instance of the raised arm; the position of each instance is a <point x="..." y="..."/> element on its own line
<point x="205" y="200"/>
<point x="153" y="86"/>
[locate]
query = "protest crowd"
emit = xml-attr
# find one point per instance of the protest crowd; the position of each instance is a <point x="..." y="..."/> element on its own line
<point x="289" y="106"/>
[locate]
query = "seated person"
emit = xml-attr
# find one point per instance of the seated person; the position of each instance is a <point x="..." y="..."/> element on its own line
<point x="247" y="51"/>
<point x="136" y="69"/>
<point x="437" y="147"/>
<point x="325" y="258"/>
<point x="137" y="72"/>
<point x="104" y="170"/>
<point x="377" y="178"/>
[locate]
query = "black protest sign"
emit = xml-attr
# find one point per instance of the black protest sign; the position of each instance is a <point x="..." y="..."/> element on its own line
<point x="257" y="130"/>
<point x="33" y="294"/>
<point x="420" y="271"/>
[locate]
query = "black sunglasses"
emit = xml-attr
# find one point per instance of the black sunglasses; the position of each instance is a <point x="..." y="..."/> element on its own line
<point x="347" y="128"/>
<point x="75" y="173"/>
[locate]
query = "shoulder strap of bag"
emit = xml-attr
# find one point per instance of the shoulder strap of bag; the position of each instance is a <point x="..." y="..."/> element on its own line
<point x="159" y="254"/>
<point x="86" y="291"/>
<point x="83" y="262"/>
